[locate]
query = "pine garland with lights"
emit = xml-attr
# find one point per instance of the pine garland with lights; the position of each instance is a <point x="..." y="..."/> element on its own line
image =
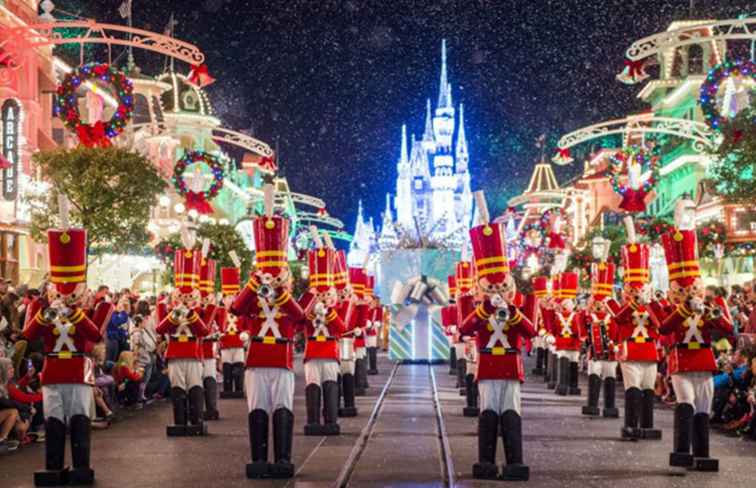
<point x="67" y="104"/>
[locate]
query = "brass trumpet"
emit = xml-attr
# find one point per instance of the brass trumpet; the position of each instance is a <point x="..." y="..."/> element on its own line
<point x="713" y="312"/>
<point x="502" y="314"/>
<point x="266" y="291"/>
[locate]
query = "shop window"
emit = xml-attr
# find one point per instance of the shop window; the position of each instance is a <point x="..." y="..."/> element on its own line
<point x="9" y="256"/>
<point x="141" y="113"/>
<point x="695" y="60"/>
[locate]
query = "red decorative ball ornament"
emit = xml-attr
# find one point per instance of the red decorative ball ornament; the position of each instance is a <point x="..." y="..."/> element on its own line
<point x="707" y="97"/>
<point x="633" y="162"/>
<point x="67" y="106"/>
<point x="198" y="200"/>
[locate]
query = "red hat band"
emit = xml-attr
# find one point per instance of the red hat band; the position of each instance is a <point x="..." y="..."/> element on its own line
<point x="681" y="251"/>
<point x="540" y="286"/>
<point x="271" y="240"/>
<point x="186" y="269"/>
<point x="490" y="253"/>
<point x="556" y="292"/>
<point x="568" y="283"/>
<point x="358" y="280"/>
<point x="602" y="280"/>
<point x="464" y="276"/>
<point x="67" y="251"/>
<point x="207" y="276"/>
<point x="636" y="265"/>
<point x="451" y="281"/>
<point x="319" y="263"/>
<point x="339" y="270"/>
<point x="370" y="285"/>
<point x="230" y="280"/>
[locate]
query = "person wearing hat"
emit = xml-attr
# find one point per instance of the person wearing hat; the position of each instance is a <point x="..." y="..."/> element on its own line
<point x="691" y="360"/>
<point x="601" y="331"/>
<point x="542" y="320"/>
<point x="465" y="306"/>
<point x="231" y="342"/>
<point x="322" y="330"/>
<point x="449" y="322"/>
<point x="569" y="334"/>
<point x="357" y="316"/>
<point x="210" y="341"/>
<point x="499" y="329"/>
<point x="346" y="341"/>
<point x="374" y="323"/>
<point x="67" y="375"/>
<point x="637" y="336"/>
<point x="272" y="317"/>
<point x="182" y="322"/>
<point x="552" y="305"/>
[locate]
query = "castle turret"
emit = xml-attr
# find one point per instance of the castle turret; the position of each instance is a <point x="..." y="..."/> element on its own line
<point x="388" y="238"/>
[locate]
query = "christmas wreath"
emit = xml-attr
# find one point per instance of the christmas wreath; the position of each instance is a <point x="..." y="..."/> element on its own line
<point x="711" y="85"/>
<point x="198" y="200"/>
<point x="710" y="235"/>
<point x="67" y="105"/>
<point x="620" y="163"/>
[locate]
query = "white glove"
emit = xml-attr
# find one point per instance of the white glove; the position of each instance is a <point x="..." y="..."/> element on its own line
<point x="497" y="301"/>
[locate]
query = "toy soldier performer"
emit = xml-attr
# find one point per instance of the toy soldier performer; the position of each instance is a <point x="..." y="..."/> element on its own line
<point x="691" y="361"/>
<point x="637" y="330"/>
<point x="209" y="316"/>
<point x="272" y="318"/>
<point x="542" y="323"/>
<point x="67" y="374"/>
<point x="601" y="333"/>
<point x="346" y="342"/>
<point x="465" y="306"/>
<point x="500" y="329"/>
<point x="185" y="328"/>
<point x="231" y="343"/>
<point x="568" y="326"/>
<point x="357" y="314"/>
<point x="374" y="325"/>
<point x="322" y="330"/>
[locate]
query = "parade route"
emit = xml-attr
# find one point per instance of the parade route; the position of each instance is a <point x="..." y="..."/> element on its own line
<point x="403" y="448"/>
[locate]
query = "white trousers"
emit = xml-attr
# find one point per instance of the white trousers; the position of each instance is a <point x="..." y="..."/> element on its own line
<point x="371" y="341"/>
<point x="360" y="352"/>
<point x="573" y="356"/>
<point x="347" y="367"/>
<point x="460" y="348"/>
<point x="64" y="401"/>
<point x="695" y="388"/>
<point x="209" y="368"/>
<point x="604" y="369"/>
<point x="233" y="355"/>
<point x="319" y="371"/>
<point x="637" y="374"/>
<point x="499" y="395"/>
<point x="539" y="342"/>
<point x="185" y="373"/>
<point x="269" y="389"/>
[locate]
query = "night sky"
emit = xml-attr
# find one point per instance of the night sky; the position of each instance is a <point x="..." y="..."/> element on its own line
<point x="333" y="81"/>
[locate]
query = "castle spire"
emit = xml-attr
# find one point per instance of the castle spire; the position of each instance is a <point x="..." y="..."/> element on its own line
<point x="428" y="134"/>
<point x="444" y="89"/>
<point x="387" y="214"/>
<point x="462" y="155"/>
<point x="403" y="156"/>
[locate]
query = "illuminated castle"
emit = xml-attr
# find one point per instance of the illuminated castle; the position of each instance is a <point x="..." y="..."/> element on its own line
<point x="433" y="198"/>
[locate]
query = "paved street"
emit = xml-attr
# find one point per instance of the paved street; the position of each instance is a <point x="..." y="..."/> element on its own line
<point x="403" y="448"/>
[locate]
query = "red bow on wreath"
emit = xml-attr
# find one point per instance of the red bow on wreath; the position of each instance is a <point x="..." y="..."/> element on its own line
<point x="635" y="68"/>
<point x="198" y="202"/>
<point x="200" y="76"/>
<point x="269" y="163"/>
<point x="564" y="153"/>
<point x="93" y="135"/>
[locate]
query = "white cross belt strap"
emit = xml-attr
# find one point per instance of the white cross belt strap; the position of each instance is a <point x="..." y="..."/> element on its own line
<point x="694" y="333"/>
<point x="63" y="329"/>
<point x="566" y="324"/>
<point x="497" y="336"/>
<point x="270" y="323"/>
<point x="640" y="319"/>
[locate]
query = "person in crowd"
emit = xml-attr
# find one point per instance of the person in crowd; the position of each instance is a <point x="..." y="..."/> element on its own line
<point x="25" y="392"/>
<point x="10" y="417"/>
<point x="127" y="379"/>
<point x="118" y="330"/>
<point x="104" y="390"/>
<point x="144" y="344"/>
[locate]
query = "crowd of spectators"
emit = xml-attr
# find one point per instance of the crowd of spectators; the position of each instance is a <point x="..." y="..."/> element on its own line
<point x="130" y="371"/>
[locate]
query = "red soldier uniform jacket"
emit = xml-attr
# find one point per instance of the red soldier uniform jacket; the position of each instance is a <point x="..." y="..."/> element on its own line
<point x="545" y="319"/>
<point x="64" y="343"/>
<point x="568" y="331"/>
<point x="184" y="336"/>
<point x="601" y="331"/>
<point x="323" y="339"/>
<point x="271" y="327"/>
<point x="209" y="315"/>
<point x="498" y="343"/>
<point x="231" y="327"/>
<point x="375" y="318"/>
<point x="638" y="332"/>
<point x="357" y="317"/>
<point x="449" y="318"/>
<point x="692" y="334"/>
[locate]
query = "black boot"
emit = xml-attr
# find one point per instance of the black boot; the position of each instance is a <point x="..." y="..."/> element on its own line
<point x="347" y="387"/>
<point x="238" y="374"/>
<point x="258" y="442"/>
<point x="553" y="377"/>
<point x="610" y="406"/>
<point x="228" y="380"/>
<point x="680" y="455"/>
<point x="312" y="400"/>
<point x="701" y="459"/>
<point x="488" y="426"/>
<point x="211" y="399"/>
<point x="647" y="416"/>
<point x="330" y="408"/>
<point x="471" y="387"/>
<point x="574" y="378"/>
<point x="283" y="435"/>
<point x="54" y="474"/>
<point x="563" y="376"/>
<point x="373" y="359"/>
<point x="511" y="434"/>
<point x="81" y="473"/>
<point x="361" y="375"/>
<point x="359" y="390"/>
<point x="178" y="398"/>
<point x="196" y="398"/>
<point x="594" y="390"/>
<point x="452" y="360"/>
<point x="461" y="373"/>
<point x="633" y="399"/>
<point x="538" y="370"/>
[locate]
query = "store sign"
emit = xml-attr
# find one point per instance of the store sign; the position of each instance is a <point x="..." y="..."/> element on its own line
<point x="10" y="118"/>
